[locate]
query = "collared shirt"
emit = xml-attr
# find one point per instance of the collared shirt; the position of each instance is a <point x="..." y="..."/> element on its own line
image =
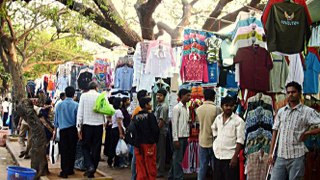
<point x="206" y="113"/>
<point x="85" y="114"/>
<point x="292" y="123"/>
<point x="180" y="126"/>
<point x="124" y="78"/>
<point x="162" y="112"/>
<point x="66" y="114"/>
<point x="227" y="135"/>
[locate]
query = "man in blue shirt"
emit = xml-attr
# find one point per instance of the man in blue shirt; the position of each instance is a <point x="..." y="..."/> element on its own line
<point x="65" y="119"/>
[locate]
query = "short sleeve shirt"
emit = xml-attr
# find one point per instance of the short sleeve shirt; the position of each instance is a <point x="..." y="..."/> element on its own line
<point x="291" y="123"/>
<point x="118" y="114"/>
<point x="162" y="112"/>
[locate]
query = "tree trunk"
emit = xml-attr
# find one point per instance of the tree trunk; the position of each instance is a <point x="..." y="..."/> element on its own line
<point x="10" y="62"/>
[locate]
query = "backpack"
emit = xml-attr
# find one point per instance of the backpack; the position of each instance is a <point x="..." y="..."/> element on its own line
<point x="131" y="134"/>
<point x="102" y="106"/>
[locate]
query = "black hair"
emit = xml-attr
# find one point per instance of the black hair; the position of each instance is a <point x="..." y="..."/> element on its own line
<point x="183" y="92"/>
<point x="62" y="95"/>
<point x="48" y="101"/>
<point x="6" y="99"/>
<point x="296" y="85"/>
<point x="69" y="91"/>
<point x="209" y="94"/>
<point x="162" y="91"/>
<point x="117" y="103"/>
<point x="92" y="85"/>
<point x="144" y="101"/>
<point x="141" y="94"/>
<point x="124" y="100"/>
<point x="228" y="100"/>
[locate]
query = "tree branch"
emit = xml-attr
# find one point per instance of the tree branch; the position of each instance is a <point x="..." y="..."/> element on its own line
<point x="127" y="35"/>
<point x="9" y="22"/>
<point x="27" y="32"/>
<point x="176" y="33"/>
<point x="214" y="14"/>
<point x="144" y="12"/>
<point x="233" y="16"/>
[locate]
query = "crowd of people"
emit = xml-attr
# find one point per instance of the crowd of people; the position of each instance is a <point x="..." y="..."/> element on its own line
<point x="221" y="134"/>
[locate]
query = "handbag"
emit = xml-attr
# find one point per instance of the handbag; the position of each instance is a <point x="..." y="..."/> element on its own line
<point x="53" y="152"/>
<point x="102" y="106"/>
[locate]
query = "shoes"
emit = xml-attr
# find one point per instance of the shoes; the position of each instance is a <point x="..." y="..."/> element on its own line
<point x="22" y="153"/>
<point x="91" y="175"/>
<point x="26" y="157"/>
<point x="62" y="175"/>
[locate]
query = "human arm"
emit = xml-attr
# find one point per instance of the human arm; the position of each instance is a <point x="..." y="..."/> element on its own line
<point x="175" y="128"/>
<point x="119" y="119"/>
<point x="80" y="118"/>
<point x="274" y="138"/>
<point x="154" y="127"/>
<point x="163" y="116"/>
<point x="240" y="141"/>
<point x="313" y="119"/>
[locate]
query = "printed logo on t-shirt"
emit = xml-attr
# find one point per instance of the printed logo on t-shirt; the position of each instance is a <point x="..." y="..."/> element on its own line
<point x="289" y="21"/>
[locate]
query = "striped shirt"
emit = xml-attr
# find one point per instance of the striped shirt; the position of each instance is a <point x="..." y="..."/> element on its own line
<point x="85" y="114"/>
<point x="292" y="123"/>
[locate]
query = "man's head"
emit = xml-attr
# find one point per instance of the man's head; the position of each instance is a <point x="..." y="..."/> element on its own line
<point x="93" y="85"/>
<point x="126" y="102"/>
<point x="141" y="94"/>
<point x="227" y="104"/>
<point x="62" y="95"/>
<point x="69" y="92"/>
<point x="294" y="91"/>
<point x="145" y="103"/>
<point x="184" y="95"/>
<point x="161" y="95"/>
<point x="117" y="103"/>
<point x="6" y="99"/>
<point x="209" y="94"/>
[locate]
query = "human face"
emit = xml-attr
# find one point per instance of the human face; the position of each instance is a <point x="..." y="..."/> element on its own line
<point x="149" y="106"/>
<point x="186" y="98"/>
<point x="160" y="97"/>
<point x="228" y="108"/>
<point x="293" y="95"/>
<point x="127" y="103"/>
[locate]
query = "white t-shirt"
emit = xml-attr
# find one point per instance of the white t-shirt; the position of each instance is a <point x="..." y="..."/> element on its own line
<point x="5" y="106"/>
<point x="117" y="114"/>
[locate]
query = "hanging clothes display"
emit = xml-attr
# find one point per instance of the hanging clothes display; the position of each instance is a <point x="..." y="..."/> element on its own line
<point x="141" y="79"/>
<point x="311" y="74"/>
<point x="258" y="134"/>
<point x="103" y="73"/>
<point x="75" y="69"/>
<point x="270" y="3"/>
<point x="160" y="60"/>
<point x="62" y="82"/>
<point x="51" y="84"/>
<point x="315" y="36"/>
<point x="287" y="28"/>
<point x="278" y="74"/>
<point x="85" y="77"/>
<point x="123" y="78"/>
<point x="295" y="69"/>
<point x="254" y="64"/>
<point x="194" y="66"/>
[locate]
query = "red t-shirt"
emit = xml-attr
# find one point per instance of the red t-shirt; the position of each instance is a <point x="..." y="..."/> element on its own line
<point x="255" y="65"/>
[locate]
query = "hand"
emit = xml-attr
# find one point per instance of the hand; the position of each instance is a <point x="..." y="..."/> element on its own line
<point x="234" y="161"/>
<point x="303" y="136"/>
<point x="19" y="125"/>
<point x="270" y="160"/>
<point x="80" y="135"/>
<point x="176" y="144"/>
<point x="121" y="136"/>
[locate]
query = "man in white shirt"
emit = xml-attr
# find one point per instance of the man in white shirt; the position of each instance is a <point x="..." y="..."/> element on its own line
<point x="228" y="133"/>
<point x="180" y="133"/>
<point x="5" y="111"/>
<point x="90" y="128"/>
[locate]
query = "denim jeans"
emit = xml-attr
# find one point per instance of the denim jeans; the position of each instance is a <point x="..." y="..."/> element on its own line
<point x="294" y="168"/>
<point x="205" y="156"/>
<point x="176" y="171"/>
<point x="133" y="168"/>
